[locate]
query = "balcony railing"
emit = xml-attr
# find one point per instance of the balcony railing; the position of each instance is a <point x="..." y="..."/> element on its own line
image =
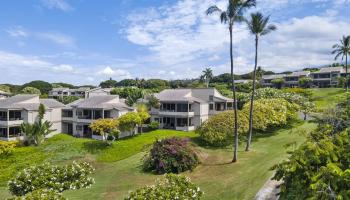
<point x="11" y="119"/>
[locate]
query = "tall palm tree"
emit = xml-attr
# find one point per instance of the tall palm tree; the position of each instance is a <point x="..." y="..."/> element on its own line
<point x="207" y="76"/>
<point x="258" y="26"/>
<point x="343" y="49"/>
<point x="233" y="14"/>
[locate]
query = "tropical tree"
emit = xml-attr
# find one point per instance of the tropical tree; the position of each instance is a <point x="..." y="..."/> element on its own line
<point x="142" y="111"/>
<point x="30" y="90"/>
<point x="258" y="26"/>
<point x="343" y="49"/>
<point x="5" y="88"/>
<point x="233" y="14"/>
<point x="305" y="82"/>
<point x="207" y="76"/>
<point x="129" y="121"/>
<point x="278" y="83"/>
<point x="105" y="127"/>
<point x="36" y="132"/>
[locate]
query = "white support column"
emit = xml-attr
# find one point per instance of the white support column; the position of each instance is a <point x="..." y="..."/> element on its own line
<point x="103" y="113"/>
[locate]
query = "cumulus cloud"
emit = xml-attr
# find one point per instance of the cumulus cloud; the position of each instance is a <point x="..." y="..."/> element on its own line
<point x="64" y="68"/>
<point x="181" y="37"/>
<point x="109" y="72"/>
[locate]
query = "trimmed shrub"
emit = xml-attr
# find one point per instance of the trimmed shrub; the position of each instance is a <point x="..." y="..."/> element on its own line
<point x="7" y="147"/>
<point x="271" y="112"/>
<point x="169" y="187"/>
<point x="218" y="130"/>
<point x="47" y="176"/>
<point x="153" y="125"/>
<point x="41" y="195"/>
<point x="171" y="155"/>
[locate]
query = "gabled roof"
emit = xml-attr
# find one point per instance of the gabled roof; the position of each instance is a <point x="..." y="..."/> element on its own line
<point x="28" y="102"/>
<point x="331" y="69"/>
<point x="300" y="73"/>
<point x="190" y="95"/>
<point x="100" y="102"/>
<point x="274" y="76"/>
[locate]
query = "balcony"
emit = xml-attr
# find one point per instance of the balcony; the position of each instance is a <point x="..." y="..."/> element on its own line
<point x="176" y="113"/>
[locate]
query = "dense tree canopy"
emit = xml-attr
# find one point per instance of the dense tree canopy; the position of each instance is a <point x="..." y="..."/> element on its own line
<point x="43" y="86"/>
<point x="319" y="168"/>
<point x="30" y="90"/>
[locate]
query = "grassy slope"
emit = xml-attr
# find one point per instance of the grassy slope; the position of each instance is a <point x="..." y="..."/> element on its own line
<point x="63" y="148"/>
<point x="218" y="178"/>
<point x="326" y="97"/>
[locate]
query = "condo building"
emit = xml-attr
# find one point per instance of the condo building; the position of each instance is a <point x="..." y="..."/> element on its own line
<point x="186" y="109"/>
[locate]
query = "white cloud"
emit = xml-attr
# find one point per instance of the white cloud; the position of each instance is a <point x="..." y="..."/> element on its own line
<point x="57" y="4"/>
<point x="57" y="38"/>
<point x="181" y="37"/>
<point x="64" y="68"/>
<point x="117" y="73"/>
<point x="17" y="31"/>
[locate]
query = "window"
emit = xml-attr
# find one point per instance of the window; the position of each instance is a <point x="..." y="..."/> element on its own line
<point x="79" y="128"/>
<point x="67" y="113"/>
<point x="211" y="97"/>
<point x="211" y="106"/>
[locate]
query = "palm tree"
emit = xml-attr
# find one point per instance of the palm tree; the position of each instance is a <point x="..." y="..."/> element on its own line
<point x="343" y="49"/>
<point x="207" y="76"/>
<point x="258" y="26"/>
<point x="233" y="13"/>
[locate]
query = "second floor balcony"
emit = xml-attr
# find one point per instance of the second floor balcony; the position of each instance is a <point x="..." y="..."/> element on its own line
<point x="11" y="115"/>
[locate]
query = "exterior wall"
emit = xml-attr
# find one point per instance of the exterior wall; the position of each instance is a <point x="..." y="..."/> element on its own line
<point x="75" y="121"/>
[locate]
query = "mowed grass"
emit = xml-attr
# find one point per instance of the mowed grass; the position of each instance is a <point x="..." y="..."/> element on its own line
<point x="326" y="97"/>
<point x="216" y="176"/>
<point x="63" y="148"/>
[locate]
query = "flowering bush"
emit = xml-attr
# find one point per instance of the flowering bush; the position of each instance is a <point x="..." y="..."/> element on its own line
<point x="271" y="93"/>
<point x="171" y="155"/>
<point x="47" y="176"/>
<point x="42" y="194"/>
<point x="218" y="130"/>
<point x="169" y="187"/>
<point x="7" y="147"/>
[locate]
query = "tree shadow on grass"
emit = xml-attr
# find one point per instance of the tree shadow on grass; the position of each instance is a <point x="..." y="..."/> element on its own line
<point x="94" y="147"/>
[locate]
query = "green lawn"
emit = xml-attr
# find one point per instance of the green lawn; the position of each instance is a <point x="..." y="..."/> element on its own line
<point x="217" y="177"/>
<point x="326" y="97"/>
<point x="118" y="168"/>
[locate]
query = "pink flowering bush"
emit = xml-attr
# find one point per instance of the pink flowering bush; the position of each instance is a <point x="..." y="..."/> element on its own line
<point x="51" y="177"/>
<point x="169" y="187"/>
<point x="172" y="155"/>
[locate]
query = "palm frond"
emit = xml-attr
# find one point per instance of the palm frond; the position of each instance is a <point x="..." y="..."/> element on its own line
<point x="213" y="9"/>
<point x="223" y="17"/>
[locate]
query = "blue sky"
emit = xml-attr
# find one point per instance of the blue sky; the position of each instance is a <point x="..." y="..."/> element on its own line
<point x="87" y="41"/>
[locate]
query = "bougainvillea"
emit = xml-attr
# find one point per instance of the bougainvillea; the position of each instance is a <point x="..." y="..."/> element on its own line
<point x="169" y="187"/>
<point x="47" y="176"/>
<point x="172" y="155"/>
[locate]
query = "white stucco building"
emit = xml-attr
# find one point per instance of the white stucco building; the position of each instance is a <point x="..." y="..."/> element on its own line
<point x="77" y="116"/>
<point x="186" y="109"/>
<point x="24" y="108"/>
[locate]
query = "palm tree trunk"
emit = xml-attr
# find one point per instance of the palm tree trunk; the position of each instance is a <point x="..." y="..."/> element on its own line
<point x="250" y="132"/>
<point x="235" y="146"/>
<point x="346" y="73"/>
